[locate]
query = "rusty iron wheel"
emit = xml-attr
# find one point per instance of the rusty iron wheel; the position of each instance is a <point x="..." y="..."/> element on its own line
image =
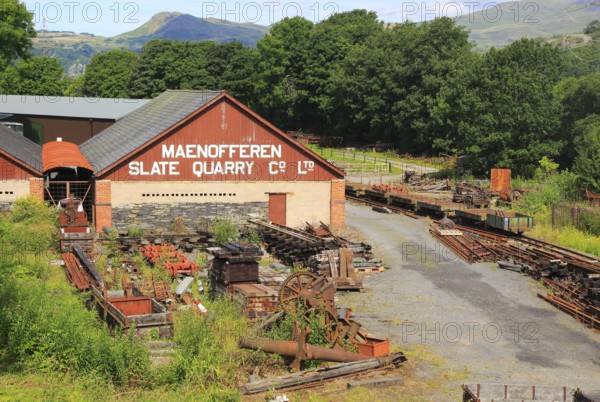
<point x="328" y="323"/>
<point x="297" y="289"/>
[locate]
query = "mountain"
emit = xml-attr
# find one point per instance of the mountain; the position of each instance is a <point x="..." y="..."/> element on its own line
<point x="187" y="27"/>
<point x="75" y="50"/>
<point x="500" y="25"/>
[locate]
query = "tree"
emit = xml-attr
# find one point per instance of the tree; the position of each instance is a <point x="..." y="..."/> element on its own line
<point x="40" y="75"/>
<point x="587" y="146"/>
<point x="166" y="64"/>
<point x="386" y="88"/>
<point x="331" y="41"/>
<point x="280" y="64"/>
<point x="233" y="64"/>
<point x="107" y="75"/>
<point x="16" y="30"/>
<point x="579" y="98"/>
<point x="505" y="110"/>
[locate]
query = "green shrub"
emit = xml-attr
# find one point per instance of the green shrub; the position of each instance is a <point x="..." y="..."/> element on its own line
<point x="135" y="231"/>
<point x="252" y="236"/>
<point x="32" y="210"/>
<point x="178" y="225"/>
<point x="224" y="230"/>
<point x="47" y="329"/>
<point x="559" y="187"/>
<point x="29" y="230"/>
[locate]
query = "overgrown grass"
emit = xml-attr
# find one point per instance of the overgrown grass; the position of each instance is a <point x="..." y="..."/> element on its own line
<point x="45" y="327"/>
<point x="567" y="237"/>
<point x="555" y="188"/>
<point x="208" y="357"/>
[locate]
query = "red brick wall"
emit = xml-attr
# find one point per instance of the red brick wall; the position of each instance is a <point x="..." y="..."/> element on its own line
<point x="103" y="208"/>
<point x="338" y="204"/>
<point x="36" y="188"/>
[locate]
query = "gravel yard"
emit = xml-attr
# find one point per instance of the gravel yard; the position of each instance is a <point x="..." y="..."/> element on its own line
<point x="461" y="323"/>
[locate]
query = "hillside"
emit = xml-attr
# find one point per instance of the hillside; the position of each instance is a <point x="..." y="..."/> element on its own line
<point x="529" y="19"/>
<point x="72" y="48"/>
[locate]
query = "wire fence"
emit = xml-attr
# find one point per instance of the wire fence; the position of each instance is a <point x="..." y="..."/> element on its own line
<point x="585" y="217"/>
<point x="391" y="163"/>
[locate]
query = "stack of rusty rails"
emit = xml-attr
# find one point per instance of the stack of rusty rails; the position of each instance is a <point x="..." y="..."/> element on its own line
<point x="127" y="310"/>
<point x="76" y="272"/>
<point x="257" y="301"/>
<point x="466" y="246"/>
<point x="388" y="188"/>
<point x="234" y="263"/>
<point x="573" y="278"/>
<point x="88" y="265"/>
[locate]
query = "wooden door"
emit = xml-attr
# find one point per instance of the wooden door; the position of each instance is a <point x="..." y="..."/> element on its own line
<point x="278" y="208"/>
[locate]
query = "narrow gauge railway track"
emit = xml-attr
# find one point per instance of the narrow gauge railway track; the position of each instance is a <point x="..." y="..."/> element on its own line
<point x="392" y="208"/>
<point x="571" y="276"/>
<point x="578" y="260"/>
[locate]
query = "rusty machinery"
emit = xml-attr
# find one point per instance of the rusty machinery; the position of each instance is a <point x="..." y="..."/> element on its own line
<point x="314" y="296"/>
<point x="317" y="296"/>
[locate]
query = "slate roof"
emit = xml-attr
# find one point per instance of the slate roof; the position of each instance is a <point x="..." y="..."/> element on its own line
<point x="21" y="148"/>
<point x="142" y="125"/>
<point x="68" y="106"/>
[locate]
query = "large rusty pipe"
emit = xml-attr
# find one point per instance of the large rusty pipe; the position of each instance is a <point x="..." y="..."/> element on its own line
<point x="290" y="348"/>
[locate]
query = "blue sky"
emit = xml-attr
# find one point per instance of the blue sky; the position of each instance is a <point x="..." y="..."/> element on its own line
<point x="111" y="17"/>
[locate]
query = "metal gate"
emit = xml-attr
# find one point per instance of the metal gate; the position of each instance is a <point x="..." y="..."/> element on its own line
<point x="84" y="190"/>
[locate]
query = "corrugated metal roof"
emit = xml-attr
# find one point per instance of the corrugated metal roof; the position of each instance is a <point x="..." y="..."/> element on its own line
<point x="143" y="125"/>
<point x="61" y="154"/>
<point x="66" y="106"/>
<point x="21" y="148"/>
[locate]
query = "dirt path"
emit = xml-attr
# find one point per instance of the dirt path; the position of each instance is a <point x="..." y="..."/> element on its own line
<point x="463" y="323"/>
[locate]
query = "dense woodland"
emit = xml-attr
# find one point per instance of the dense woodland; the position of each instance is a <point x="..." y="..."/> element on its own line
<point x="420" y="87"/>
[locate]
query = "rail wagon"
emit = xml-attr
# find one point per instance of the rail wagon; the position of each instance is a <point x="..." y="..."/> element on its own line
<point x="510" y="221"/>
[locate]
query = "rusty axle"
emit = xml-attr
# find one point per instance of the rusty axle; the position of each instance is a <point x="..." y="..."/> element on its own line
<point x="291" y="349"/>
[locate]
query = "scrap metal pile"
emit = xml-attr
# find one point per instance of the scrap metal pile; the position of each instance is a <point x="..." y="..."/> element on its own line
<point x="128" y="308"/>
<point x="419" y="182"/>
<point x="572" y="278"/>
<point x="314" y="296"/>
<point x="472" y="195"/>
<point x="321" y="251"/>
<point x="173" y="261"/>
<point x="74" y="227"/>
